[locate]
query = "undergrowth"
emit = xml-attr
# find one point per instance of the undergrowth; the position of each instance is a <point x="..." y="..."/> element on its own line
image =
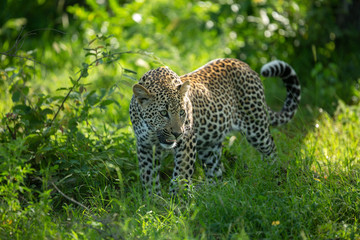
<point x="66" y="174"/>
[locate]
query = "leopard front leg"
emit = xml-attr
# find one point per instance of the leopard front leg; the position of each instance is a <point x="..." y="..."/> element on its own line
<point x="185" y="156"/>
<point x="149" y="163"/>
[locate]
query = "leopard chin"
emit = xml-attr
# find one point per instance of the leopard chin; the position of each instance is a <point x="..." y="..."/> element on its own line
<point x="168" y="146"/>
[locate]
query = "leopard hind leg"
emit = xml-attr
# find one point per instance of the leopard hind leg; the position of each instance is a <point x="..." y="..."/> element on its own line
<point x="259" y="136"/>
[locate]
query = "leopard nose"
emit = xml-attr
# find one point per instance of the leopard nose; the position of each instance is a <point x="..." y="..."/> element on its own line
<point x="176" y="134"/>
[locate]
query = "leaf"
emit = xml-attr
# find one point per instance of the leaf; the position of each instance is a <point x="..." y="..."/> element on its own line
<point x="62" y="89"/>
<point x="90" y="54"/>
<point x="81" y="89"/>
<point x="80" y="136"/>
<point x="106" y="102"/>
<point x="73" y="81"/>
<point x="72" y="124"/>
<point x="84" y="72"/>
<point x="46" y="111"/>
<point x="49" y="131"/>
<point x="33" y="139"/>
<point x="93" y="40"/>
<point x="25" y="90"/>
<point x="130" y="71"/>
<point x="103" y="93"/>
<point x="21" y="109"/>
<point x="107" y="37"/>
<point x="112" y="89"/>
<point x="117" y="104"/>
<point x="16" y="96"/>
<point x="57" y="98"/>
<point x="10" y="69"/>
<point x="92" y="98"/>
<point x="129" y="77"/>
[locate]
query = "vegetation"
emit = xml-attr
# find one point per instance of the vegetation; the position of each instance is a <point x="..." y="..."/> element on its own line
<point x="68" y="166"/>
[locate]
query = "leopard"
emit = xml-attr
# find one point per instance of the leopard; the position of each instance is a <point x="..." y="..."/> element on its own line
<point x="190" y="116"/>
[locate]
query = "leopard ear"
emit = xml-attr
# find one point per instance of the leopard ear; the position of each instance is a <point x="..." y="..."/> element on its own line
<point x="141" y="94"/>
<point x="184" y="88"/>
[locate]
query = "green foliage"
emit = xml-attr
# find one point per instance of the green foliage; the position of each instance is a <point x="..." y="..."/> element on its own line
<point x="42" y="142"/>
<point x="305" y="34"/>
<point x="68" y="166"/>
<point x="21" y="206"/>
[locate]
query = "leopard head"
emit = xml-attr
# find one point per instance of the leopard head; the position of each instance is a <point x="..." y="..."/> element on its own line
<point x="164" y="104"/>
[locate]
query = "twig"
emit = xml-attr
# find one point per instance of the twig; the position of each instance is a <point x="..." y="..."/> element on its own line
<point x="69" y="198"/>
<point x="72" y="88"/>
<point x="12" y="52"/>
<point x="64" y="100"/>
<point x="93" y="129"/>
<point x="92" y="64"/>
<point x="13" y="134"/>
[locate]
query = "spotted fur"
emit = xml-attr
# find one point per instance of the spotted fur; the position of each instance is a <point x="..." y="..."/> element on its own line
<point x="191" y="115"/>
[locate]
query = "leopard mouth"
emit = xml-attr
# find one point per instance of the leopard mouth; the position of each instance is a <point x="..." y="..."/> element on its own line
<point x="167" y="142"/>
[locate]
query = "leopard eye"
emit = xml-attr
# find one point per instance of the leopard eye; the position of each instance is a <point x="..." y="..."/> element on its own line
<point x="164" y="113"/>
<point x="182" y="112"/>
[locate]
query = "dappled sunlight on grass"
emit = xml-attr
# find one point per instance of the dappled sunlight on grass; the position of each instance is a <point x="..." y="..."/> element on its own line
<point x="334" y="145"/>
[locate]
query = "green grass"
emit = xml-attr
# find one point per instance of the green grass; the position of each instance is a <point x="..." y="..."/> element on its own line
<point x="317" y="198"/>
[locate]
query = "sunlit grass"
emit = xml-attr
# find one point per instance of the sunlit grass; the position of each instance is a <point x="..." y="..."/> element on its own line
<point x="334" y="144"/>
<point x="251" y="203"/>
<point x="317" y="197"/>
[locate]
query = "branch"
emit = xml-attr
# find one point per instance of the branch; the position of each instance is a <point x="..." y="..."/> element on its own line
<point x="69" y="198"/>
<point x="63" y="102"/>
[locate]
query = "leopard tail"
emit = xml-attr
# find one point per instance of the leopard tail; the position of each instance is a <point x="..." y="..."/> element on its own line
<point x="288" y="75"/>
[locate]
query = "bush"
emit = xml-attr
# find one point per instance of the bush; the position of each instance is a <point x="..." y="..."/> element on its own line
<point x="47" y="140"/>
